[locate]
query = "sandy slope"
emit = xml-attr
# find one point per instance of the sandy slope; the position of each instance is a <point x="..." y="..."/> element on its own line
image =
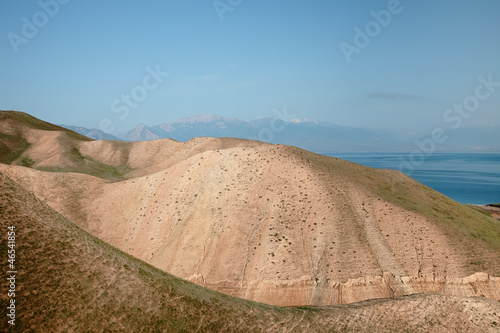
<point x="272" y="223"/>
<point x="70" y="281"/>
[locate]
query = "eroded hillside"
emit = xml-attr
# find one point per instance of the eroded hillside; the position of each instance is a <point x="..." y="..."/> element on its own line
<point x="70" y="281"/>
<point x="275" y="223"/>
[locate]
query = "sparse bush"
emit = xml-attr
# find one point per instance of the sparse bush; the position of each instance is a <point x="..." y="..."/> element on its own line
<point x="27" y="162"/>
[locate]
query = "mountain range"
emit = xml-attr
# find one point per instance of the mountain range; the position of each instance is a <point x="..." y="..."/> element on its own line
<point x="318" y="136"/>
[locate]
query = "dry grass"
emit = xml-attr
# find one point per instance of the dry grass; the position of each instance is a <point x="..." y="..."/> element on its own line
<point x="263" y="222"/>
<point x="243" y="217"/>
<point x="70" y="281"/>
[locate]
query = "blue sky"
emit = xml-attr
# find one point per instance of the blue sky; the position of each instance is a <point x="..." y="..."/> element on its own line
<point x="86" y="55"/>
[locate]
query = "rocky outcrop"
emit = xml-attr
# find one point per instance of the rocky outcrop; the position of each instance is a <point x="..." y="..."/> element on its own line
<point x="319" y="293"/>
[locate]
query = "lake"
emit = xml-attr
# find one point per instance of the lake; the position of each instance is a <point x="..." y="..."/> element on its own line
<point x="469" y="178"/>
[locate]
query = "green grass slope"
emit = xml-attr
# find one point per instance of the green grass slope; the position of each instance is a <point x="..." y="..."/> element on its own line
<point x="15" y="147"/>
<point x="12" y="141"/>
<point x="35" y="123"/>
<point x="465" y="227"/>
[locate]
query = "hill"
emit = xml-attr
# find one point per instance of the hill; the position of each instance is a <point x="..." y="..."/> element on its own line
<point x="31" y="142"/>
<point x="274" y="223"/>
<point x="17" y="127"/>
<point x="70" y="281"/>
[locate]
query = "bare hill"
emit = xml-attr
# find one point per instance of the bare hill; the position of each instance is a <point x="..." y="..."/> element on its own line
<point x="31" y="142"/>
<point x="70" y="281"/>
<point x="17" y="134"/>
<point x="272" y="223"/>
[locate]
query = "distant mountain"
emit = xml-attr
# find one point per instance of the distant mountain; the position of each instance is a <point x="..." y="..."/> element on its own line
<point x="303" y="133"/>
<point x="208" y="125"/>
<point x="142" y="132"/>
<point x="474" y="138"/>
<point x="318" y="136"/>
<point x="198" y="126"/>
<point x="323" y="136"/>
<point x="92" y="133"/>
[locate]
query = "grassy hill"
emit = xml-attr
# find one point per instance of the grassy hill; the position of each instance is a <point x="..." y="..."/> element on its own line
<point x="14" y="125"/>
<point x="465" y="227"/>
<point x="31" y="142"/>
<point x="270" y="223"/>
<point x="70" y="281"/>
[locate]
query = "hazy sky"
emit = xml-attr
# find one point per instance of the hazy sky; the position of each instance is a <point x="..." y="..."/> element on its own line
<point x="380" y="64"/>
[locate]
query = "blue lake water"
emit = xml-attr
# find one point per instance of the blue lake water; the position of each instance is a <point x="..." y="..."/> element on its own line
<point x="469" y="178"/>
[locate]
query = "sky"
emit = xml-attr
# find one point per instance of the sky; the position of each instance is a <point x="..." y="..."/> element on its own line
<point x="394" y="65"/>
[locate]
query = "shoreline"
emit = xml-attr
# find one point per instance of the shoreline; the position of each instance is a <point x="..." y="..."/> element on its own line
<point x="492" y="209"/>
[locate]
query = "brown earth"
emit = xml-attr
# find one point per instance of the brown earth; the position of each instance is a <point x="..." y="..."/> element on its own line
<point x="70" y="281"/>
<point x="269" y="223"/>
<point x="195" y="230"/>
